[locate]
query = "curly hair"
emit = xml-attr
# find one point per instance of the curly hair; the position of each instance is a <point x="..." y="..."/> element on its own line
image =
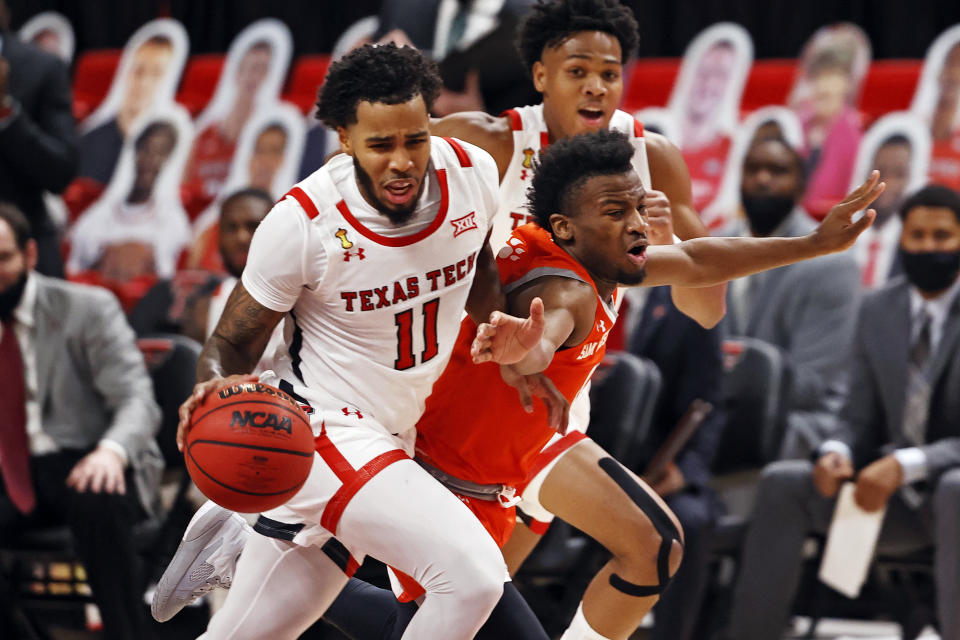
<point x="375" y="73"/>
<point x="551" y="22"/>
<point x="568" y="163"/>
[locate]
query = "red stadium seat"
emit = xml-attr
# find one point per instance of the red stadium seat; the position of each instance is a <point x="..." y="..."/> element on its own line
<point x="91" y="79"/>
<point x="649" y="83"/>
<point x="769" y="82"/>
<point x="307" y="76"/>
<point x="889" y="86"/>
<point x="200" y="81"/>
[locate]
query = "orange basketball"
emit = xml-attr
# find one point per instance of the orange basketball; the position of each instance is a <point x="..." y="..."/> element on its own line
<point x="249" y="448"/>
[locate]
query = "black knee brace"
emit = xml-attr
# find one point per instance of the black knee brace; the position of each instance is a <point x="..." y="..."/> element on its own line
<point x="661" y="522"/>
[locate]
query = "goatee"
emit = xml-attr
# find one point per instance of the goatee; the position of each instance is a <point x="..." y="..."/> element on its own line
<point x="397" y="216"/>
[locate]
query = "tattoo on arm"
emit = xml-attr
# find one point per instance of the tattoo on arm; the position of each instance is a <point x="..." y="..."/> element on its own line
<point x="240" y="337"/>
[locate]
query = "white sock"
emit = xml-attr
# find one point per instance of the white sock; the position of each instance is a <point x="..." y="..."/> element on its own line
<point x="580" y="629"/>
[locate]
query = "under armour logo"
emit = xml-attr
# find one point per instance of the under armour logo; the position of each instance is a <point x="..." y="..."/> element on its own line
<point x="355" y="412"/>
<point x="602" y="326"/>
<point x="467" y="222"/>
<point x="523" y="174"/>
<point x="354" y="254"/>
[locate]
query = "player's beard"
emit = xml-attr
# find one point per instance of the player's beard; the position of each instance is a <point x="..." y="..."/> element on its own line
<point x="396" y="215"/>
<point x="10" y="298"/>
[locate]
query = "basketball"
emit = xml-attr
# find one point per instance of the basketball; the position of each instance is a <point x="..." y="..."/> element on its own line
<point x="249" y="448"/>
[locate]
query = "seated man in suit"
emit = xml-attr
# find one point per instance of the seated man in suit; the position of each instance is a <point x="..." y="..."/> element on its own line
<point x="78" y="424"/>
<point x="38" y="142"/>
<point x="899" y="429"/>
<point x="689" y="360"/>
<point x="806" y="309"/>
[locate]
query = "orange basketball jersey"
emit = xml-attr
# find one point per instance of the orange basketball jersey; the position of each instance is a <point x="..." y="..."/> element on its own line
<point x="474" y="426"/>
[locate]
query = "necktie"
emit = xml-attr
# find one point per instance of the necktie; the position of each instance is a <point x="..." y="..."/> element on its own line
<point x="14" y="451"/>
<point x="918" y="387"/>
<point x="870" y="268"/>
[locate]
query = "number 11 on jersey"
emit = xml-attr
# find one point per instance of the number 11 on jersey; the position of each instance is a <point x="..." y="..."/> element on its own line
<point x="404" y="320"/>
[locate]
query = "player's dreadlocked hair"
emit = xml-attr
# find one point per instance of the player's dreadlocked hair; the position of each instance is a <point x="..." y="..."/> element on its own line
<point x="375" y="73"/>
<point x="551" y="22"/>
<point x="566" y="164"/>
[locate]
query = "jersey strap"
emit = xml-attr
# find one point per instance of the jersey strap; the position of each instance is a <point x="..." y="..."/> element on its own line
<point x="637" y="128"/>
<point x="516" y="122"/>
<point x="304" y="200"/>
<point x="461" y="154"/>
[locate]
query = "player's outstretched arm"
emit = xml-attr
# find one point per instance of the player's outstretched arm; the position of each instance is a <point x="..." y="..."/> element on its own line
<point x="704" y="262"/>
<point x="232" y="352"/>
<point x="561" y="313"/>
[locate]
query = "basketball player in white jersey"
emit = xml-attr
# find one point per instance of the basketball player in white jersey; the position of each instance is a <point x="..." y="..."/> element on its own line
<point x="372" y="260"/>
<point x="575" y="50"/>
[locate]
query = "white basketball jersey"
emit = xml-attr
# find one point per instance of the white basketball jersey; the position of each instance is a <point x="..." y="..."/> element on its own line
<point x="529" y="138"/>
<point x="374" y="309"/>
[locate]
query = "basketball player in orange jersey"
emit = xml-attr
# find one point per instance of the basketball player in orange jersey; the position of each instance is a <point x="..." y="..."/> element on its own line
<point x="371" y="262"/>
<point x="589" y="238"/>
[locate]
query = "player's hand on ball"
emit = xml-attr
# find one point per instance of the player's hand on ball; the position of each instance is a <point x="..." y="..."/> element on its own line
<point x="201" y="391"/>
<point x="539" y="385"/>
<point x="838" y="231"/>
<point x="100" y="471"/>
<point x="506" y="339"/>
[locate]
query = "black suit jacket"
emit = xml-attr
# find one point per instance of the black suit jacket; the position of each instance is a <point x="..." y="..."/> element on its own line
<point x="38" y="147"/>
<point x="691" y="367"/>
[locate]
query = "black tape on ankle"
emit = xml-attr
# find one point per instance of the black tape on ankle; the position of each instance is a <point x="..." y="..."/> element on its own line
<point x="661" y="522"/>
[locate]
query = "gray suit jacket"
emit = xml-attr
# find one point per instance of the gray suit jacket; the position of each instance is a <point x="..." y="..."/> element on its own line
<point x="91" y="378"/>
<point x="872" y="417"/>
<point x="808" y="310"/>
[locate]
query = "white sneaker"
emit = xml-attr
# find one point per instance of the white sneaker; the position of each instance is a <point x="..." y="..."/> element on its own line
<point x="206" y="559"/>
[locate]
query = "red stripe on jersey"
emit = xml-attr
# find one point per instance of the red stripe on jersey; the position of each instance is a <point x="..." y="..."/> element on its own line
<point x="334" y="509"/>
<point x="544" y="140"/>
<point x="352" y="566"/>
<point x="461" y="154"/>
<point x="516" y="122"/>
<point x="551" y="453"/>
<point x="539" y="527"/>
<point x="300" y="196"/>
<point x="637" y="128"/>
<point x="334" y="459"/>
<point x="402" y="241"/>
